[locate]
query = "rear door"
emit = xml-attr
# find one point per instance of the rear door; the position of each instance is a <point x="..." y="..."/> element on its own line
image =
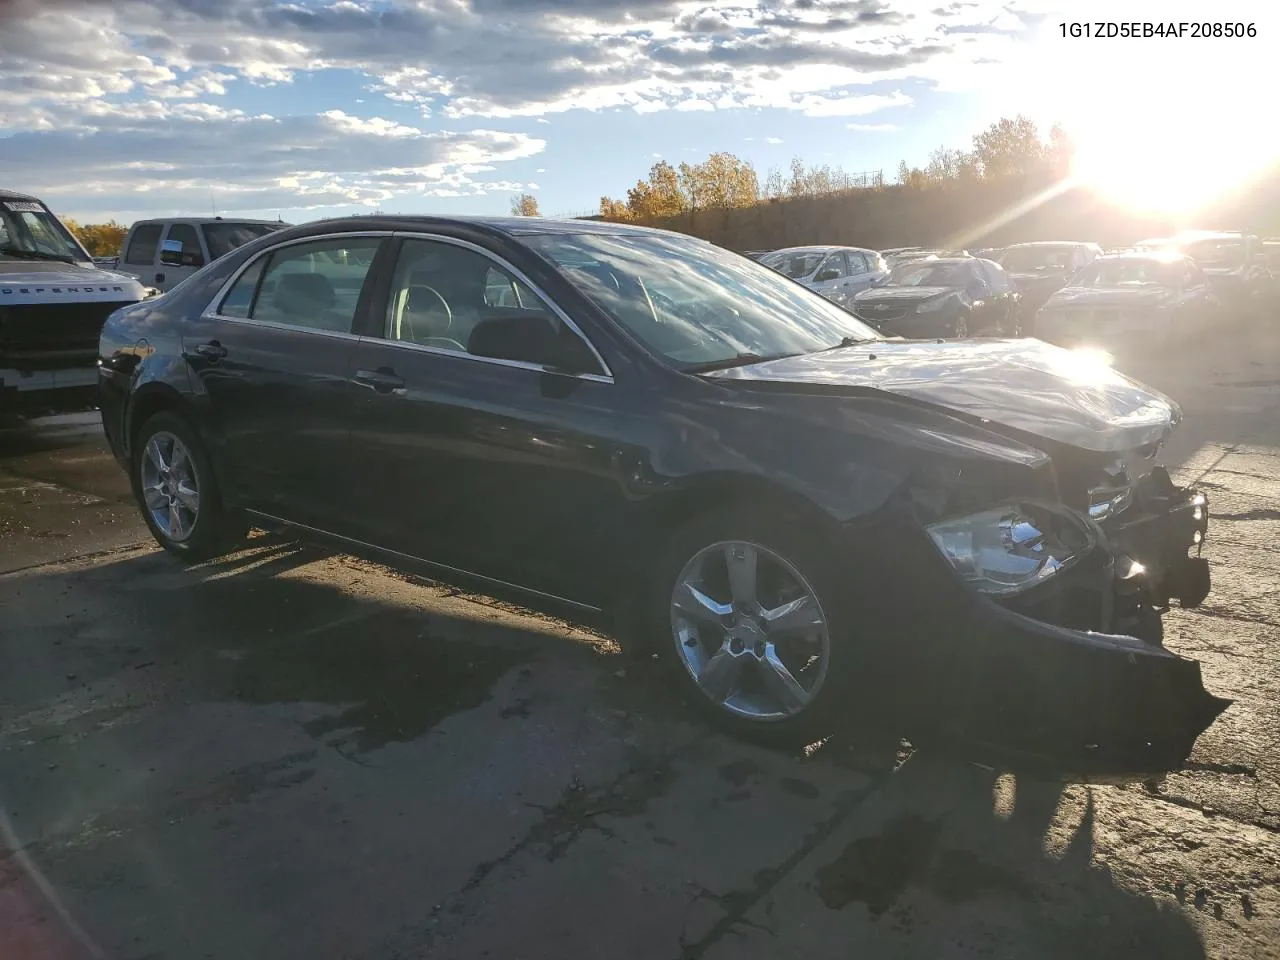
<point x="274" y="357"/>
<point x="862" y="272"/>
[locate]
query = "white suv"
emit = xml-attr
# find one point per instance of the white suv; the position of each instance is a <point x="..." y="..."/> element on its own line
<point x="53" y="303"/>
<point x="163" y="253"/>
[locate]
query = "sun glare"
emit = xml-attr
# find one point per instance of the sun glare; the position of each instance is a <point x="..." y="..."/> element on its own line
<point x="1164" y="125"/>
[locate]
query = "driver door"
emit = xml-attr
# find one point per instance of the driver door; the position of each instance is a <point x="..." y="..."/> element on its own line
<point x="493" y="467"/>
<point x="832" y="277"/>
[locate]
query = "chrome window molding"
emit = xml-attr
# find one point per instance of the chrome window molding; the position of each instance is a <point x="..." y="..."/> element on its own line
<point x="211" y="311"/>
<point x="514" y="271"/>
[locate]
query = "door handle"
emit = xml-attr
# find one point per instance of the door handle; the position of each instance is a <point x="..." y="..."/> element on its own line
<point x="383" y="380"/>
<point x="212" y="350"/>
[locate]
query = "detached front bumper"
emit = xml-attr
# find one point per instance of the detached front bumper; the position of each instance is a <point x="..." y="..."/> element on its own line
<point x="1068" y="679"/>
<point x="1075" y="678"/>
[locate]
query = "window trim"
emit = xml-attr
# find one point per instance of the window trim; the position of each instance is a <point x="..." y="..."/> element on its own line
<point x="537" y="291"/>
<point x="210" y="312"/>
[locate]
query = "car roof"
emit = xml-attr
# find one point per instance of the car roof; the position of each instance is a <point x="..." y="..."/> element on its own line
<point x="1159" y="256"/>
<point x="12" y="195"/>
<point x="502" y="226"/>
<point x="934" y="261"/>
<point x="820" y="248"/>
<point x="138" y="223"/>
<point x="1051" y="243"/>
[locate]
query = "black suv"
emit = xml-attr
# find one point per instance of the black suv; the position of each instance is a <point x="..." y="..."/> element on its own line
<point x="949" y="297"/>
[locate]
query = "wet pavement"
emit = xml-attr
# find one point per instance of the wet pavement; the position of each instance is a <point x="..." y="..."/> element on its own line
<point x="290" y="753"/>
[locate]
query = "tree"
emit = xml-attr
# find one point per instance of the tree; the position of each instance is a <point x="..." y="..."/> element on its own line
<point x="1009" y="148"/>
<point x="774" y="184"/>
<point x="1061" y="152"/>
<point x="658" y="197"/>
<point x="612" y="209"/>
<point x="100" y="239"/>
<point x="525" y="205"/>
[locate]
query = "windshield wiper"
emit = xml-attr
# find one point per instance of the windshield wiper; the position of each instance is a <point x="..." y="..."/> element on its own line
<point x="36" y="254"/>
<point x="739" y="360"/>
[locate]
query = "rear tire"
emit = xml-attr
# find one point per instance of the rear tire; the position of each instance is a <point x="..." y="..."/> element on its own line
<point x="174" y="483"/>
<point x="747" y="613"/>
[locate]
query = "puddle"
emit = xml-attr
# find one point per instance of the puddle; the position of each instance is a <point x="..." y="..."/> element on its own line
<point x="392" y="678"/>
<point x="876" y="871"/>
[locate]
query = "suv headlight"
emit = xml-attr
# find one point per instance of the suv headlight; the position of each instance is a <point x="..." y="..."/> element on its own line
<point x="936" y="304"/>
<point x="1011" y="548"/>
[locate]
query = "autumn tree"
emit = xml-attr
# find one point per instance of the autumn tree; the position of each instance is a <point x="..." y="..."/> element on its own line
<point x="722" y="180"/>
<point x="659" y="196"/>
<point x="616" y="210"/>
<point x="525" y="205"/>
<point x="1009" y="147"/>
<point x="100" y="239"/>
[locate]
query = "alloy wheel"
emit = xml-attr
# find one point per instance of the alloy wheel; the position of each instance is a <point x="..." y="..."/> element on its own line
<point x="750" y="630"/>
<point x="170" y="485"/>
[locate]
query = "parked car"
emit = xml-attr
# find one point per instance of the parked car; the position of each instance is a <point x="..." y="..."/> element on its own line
<point x="835" y="272"/>
<point x="53" y="302"/>
<point x="1041" y="268"/>
<point x="757" y="254"/>
<point x="812" y="525"/>
<point x="989" y="253"/>
<point x="1134" y="295"/>
<point x="163" y="253"/>
<point x="910" y="256"/>
<point x="1236" y="264"/>
<point x="953" y="297"/>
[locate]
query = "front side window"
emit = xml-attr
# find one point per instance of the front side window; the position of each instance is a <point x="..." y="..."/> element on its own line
<point x="452" y="298"/>
<point x="313" y="285"/>
<point x="796" y="264"/>
<point x="143" y="245"/>
<point x="28" y="231"/>
<point x="833" y="268"/>
<point x="694" y="303"/>
<point x="185" y="234"/>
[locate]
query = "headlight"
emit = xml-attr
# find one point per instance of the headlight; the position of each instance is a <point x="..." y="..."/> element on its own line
<point x="149" y="292"/>
<point x="936" y="304"/>
<point x="1009" y="549"/>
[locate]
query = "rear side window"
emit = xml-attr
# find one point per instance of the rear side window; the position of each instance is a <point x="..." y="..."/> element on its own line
<point x="143" y="244"/>
<point x="314" y="285"/>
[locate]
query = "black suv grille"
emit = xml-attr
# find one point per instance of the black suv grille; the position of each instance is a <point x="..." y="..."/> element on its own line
<point x="47" y="336"/>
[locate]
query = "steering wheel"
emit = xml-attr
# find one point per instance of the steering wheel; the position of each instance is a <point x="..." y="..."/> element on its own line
<point x="405" y="314"/>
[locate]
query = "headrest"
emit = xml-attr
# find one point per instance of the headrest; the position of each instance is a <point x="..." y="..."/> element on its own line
<point x="303" y="293"/>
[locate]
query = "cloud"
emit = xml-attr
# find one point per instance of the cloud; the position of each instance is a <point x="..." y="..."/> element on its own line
<point x="773" y="140"/>
<point x="872" y="127"/>
<point x="89" y="86"/>
<point x="257" y="162"/>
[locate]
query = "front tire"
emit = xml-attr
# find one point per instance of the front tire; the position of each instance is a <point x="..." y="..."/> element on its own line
<point x="174" y="483"/>
<point x="747" y="612"/>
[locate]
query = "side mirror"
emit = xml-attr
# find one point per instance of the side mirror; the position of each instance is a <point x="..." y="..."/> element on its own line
<point x="530" y="336"/>
<point x="824" y="275"/>
<point x="172" y="255"/>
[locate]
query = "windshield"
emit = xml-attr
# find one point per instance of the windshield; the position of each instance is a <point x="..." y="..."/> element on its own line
<point x="1119" y="273"/>
<point x="223" y="237"/>
<point x="695" y="303"/>
<point x="796" y="264"/>
<point x="1037" y="259"/>
<point x="28" y="231"/>
<point x="927" y="274"/>
<point x="1215" y="253"/>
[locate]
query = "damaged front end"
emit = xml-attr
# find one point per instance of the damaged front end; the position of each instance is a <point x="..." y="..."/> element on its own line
<point x="1048" y="636"/>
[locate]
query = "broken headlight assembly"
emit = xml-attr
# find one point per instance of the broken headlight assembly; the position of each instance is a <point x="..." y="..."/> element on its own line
<point x="1009" y="549"/>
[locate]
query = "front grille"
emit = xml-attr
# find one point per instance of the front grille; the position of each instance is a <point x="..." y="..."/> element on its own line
<point x="47" y="336"/>
<point x="881" y="312"/>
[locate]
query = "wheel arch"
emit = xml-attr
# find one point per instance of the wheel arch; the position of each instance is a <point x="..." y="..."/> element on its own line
<point x="150" y="399"/>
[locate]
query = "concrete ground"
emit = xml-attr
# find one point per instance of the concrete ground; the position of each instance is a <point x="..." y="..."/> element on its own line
<point x="296" y="754"/>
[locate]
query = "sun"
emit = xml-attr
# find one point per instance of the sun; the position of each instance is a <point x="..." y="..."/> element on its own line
<point x="1161" y="125"/>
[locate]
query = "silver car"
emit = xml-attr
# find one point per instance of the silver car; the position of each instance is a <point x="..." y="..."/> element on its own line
<point x="835" y="272"/>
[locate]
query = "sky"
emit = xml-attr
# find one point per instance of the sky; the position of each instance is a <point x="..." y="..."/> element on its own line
<point x="130" y="108"/>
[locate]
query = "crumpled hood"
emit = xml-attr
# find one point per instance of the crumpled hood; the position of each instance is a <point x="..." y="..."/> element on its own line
<point x="899" y="294"/>
<point x="1147" y="295"/>
<point x="23" y="281"/>
<point x="1024" y="384"/>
